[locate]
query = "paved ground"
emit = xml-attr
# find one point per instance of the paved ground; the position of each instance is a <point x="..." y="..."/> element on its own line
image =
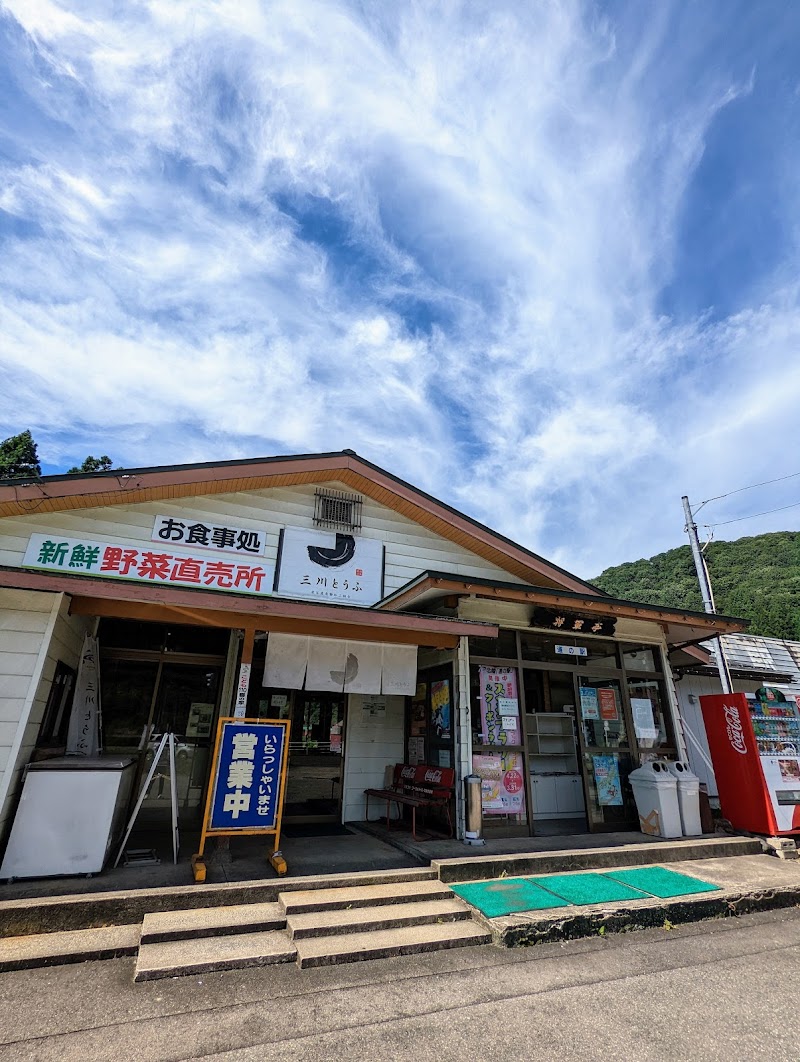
<point x="713" y="991"/>
<point x="345" y="852"/>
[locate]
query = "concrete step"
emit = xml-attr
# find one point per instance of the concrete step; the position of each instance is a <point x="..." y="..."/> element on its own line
<point x="379" y="944"/>
<point x="476" y="868"/>
<point x="212" y="921"/>
<point x="341" y="899"/>
<point x="55" y="949"/>
<point x="91" y="910"/>
<point x="203" y="955"/>
<point x="384" y="916"/>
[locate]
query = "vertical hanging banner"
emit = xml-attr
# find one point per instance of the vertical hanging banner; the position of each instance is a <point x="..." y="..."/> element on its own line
<point x="242" y="689"/>
<point x="83" y="736"/>
<point x="499" y="705"/>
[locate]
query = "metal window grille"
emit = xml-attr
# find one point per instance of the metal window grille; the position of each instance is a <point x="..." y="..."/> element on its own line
<point x="334" y="508"/>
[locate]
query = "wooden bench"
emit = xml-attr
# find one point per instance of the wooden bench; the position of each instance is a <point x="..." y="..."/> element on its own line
<point x="416" y="787"/>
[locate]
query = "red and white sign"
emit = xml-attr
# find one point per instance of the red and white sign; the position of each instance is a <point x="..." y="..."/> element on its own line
<point x="163" y="567"/>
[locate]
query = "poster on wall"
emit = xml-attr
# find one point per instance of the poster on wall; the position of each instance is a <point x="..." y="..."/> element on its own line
<point x="330" y="566"/>
<point x="502" y="782"/>
<point x="416" y="750"/>
<point x="643" y="722"/>
<point x="417" y="723"/>
<point x="607" y="699"/>
<point x="500" y="724"/>
<point x="606" y="777"/>
<point x="589" y="705"/>
<point x="373" y="707"/>
<point x="201" y="716"/>
<point x="440" y="711"/>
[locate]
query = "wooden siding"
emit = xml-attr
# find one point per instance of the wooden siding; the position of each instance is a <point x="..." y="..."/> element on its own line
<point x="410" y="547"/>
<point x="372" y="743"/>
<point x="35" y="631"/>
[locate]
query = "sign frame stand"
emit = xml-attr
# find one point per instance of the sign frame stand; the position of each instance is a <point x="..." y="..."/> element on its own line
<point x="275" y="858"/>
<point x="166" y="739"/>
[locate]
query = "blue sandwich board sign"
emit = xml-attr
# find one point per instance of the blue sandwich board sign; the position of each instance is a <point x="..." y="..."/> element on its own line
<point x="248" y="782"/>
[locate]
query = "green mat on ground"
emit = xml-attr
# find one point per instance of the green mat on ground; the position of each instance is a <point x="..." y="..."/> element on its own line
<point x="506" y="896"/>
<point x="659" y="881"/>
<point x="581" y="889"/>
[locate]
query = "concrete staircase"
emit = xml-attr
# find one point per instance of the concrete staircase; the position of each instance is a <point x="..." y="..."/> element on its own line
<point x="314" y="927"/>
<point x="313" y="921"/>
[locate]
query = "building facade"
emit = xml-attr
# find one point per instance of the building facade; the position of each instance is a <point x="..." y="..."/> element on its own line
<point x="387" y="626"/>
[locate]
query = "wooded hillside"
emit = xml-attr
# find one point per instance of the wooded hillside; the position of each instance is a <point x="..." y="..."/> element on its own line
<point x="756" y="578"/>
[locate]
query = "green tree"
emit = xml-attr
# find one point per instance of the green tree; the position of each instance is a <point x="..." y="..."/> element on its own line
<point x="757" y="578"/>
<point x="93" y="464"/>
<point x="18" y="457"/>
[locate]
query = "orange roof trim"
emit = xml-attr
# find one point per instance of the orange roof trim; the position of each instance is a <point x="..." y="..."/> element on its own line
<point x="126" y="486"/>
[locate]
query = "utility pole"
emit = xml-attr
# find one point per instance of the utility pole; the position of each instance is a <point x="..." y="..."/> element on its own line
<point x="705" y="591"/>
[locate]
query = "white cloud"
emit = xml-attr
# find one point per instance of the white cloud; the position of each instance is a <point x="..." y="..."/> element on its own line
<point x="436" y="234"/>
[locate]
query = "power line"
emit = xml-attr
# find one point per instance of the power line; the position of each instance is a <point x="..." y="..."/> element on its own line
<point x="752" y="486"/>
<point x="738" y="519"/>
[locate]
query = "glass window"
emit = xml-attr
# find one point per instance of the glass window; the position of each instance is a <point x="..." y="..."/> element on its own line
<point x="651" y="720"/>
<point x="158" y="637"/>
<point x="609" y="796"/>
<point x="127" y="691"/>
<point x="205" y="641"/>
<point x="131" y="634"/>
<point x="641" y="658"/>
<point x="599" y="652"/>
<point x="503" y="647"/>
<point x="601" y="715"/>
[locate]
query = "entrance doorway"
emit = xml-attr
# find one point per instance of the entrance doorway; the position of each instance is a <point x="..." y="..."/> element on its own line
<point x="316" y="752"/>
<point x="151" y="684"/>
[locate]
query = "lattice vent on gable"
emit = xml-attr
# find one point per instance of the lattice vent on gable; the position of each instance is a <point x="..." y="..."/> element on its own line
<point x="335" y="509"/>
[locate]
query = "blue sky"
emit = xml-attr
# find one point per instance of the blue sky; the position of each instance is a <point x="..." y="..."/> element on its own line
<point x="540" y="259"/>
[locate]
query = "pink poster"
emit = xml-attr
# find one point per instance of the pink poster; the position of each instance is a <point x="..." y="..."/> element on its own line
<point x="502" y="782"/>
<point x="500" y="721"/>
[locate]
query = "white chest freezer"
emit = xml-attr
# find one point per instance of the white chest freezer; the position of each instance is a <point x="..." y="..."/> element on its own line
<point x="70" y="814"/>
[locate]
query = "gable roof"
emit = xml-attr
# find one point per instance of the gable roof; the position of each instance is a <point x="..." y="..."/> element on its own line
<point x="74" y="491"/>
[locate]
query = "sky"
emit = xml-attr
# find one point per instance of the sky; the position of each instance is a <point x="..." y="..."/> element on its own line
<point x="538" y="258"/>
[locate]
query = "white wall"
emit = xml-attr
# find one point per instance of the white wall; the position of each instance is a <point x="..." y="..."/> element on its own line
<point x="371" y="744"/>
<point x="36" y="631"/>
<point x="410" y="548"/>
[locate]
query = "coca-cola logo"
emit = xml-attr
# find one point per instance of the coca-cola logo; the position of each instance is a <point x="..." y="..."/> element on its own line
<point x="433" y="776"/>
<point x="733" y="725"/>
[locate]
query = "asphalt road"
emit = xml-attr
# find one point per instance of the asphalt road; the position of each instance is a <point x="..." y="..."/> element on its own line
<point x="714" y="990"/>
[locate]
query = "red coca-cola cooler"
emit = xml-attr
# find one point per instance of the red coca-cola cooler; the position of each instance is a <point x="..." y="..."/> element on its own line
<point x="755" y="749"/>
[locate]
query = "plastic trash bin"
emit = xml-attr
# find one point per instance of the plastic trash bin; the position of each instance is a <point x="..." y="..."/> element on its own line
<point x="655" y="790"/>
<point x="473" y="810"/>
<point x="688" y="797"/>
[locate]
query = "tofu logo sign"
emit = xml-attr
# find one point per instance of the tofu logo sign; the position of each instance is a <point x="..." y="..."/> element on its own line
<point x="330" y="567"/>
<point x="733" y="725"/>
<point x="342" y="553"/>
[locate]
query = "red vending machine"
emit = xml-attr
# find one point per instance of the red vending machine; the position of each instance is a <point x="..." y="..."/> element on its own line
<point x="755" y="749"/>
